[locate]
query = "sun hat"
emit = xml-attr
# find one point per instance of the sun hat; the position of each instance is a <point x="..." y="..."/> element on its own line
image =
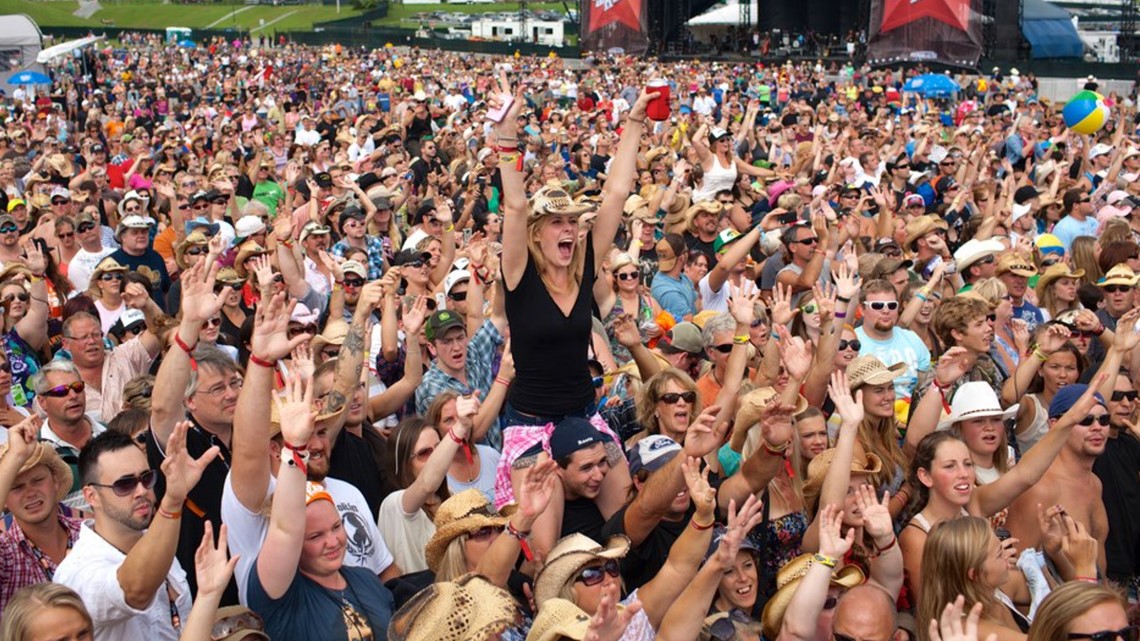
<point x="554" y="200"/>
<point x="1119" y="275"/>
<point x="974" y="250"/>
<point x="869" y="370"/>
<point x="201" y="222"/>
<point x="462" y="513"/>
<point x="44" y="454"/>
<point x="675" y="213"/>
<point x="1015" y="264"/>
<point x="470" y="608"/>
<point x="788" y="580"/>
<point x="560" y="619"/>
<point x="975" y="399"/>
<point x="313" y="228"/>
<point x="1067" y="397"/>
<point x="247" y="250"/>
<point x="196" y="239"/>
<point x="108" y="264"/>
<point x="682" y="337"/>
<point x="333" y="334"/>
<point x="635" y="207"/>
<point x="921" y="226"/>
<point x="569" y="555"/>
<point x="1056" y="272"/>
<point x="667" y="253"/>
<point x="652" y="453"/>
<point x="751" y="411"/>
<point x="229" y="276"/>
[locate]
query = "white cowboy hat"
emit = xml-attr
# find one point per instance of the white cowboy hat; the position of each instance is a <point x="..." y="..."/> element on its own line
<point x="975" y="399"/>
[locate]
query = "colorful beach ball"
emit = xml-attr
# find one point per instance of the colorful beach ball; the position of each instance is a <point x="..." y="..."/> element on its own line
<point x="1086" y="113"/>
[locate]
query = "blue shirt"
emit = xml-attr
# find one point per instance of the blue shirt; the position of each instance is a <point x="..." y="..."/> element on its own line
<point x="676" y="296"/>
<point x="1068" y="228"/>
<point x="375" y="249"/>
<point x="309" y="611"/>
<point x="904" y="346"/>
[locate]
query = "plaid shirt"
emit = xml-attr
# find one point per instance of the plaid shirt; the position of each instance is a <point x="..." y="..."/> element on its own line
<point x="375" y="248"/>
<point x="19" y="566"/>
<point x="480" y="370"/>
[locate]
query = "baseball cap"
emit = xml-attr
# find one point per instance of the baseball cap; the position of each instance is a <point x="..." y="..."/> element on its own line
<point x="323" y="180"/>
<point x="1100" y="149"/>
<point x="682" y="337"/>
<point x="724" y="239"/>
<point x="652" y="453"/>
<point x="454" y="278"/>
<point x="16" y="202"/>
<point x="1024" y="194"/>
<point x="572" y="434"/>
<point x="249" y="225"/>
<point x="407" y="256"/>
<point x="354" y="267"/>
<point x="1067" y="397"/>
<point x="438" y="323"/>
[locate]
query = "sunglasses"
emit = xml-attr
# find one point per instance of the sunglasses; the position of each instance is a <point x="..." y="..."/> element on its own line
<point x="1130" y="633"/>
<point x="757" y="323"/>
<point x="5" y="366"/>
<point x="595" y="575"/>
<point x="111" y="276"/>
<point x="59" y="201"/>
<point x="1049" y="263"/>
<point x="69" y="234"/>
<point x="8" y="229"/>
<point x="220" y="201"/>
<point x="85" y="227"/>
<point x="1089" y="420"/>
<point x="810" y="308"/>
<point x="723" y="349"/>
<point x="880" y="305"/>
<point x="61" y="391"/>
<point x="136" y="328"/>
<point x="484" y="533"/>
<point x="330" y="353"/>
<point x="127" y="484"/>
<point x="458" y="297"/>
<point x="214" y="322"/>
<point x="806" y="241"/>
<point x="424" y="454"/>
<point x="1118" y="396"/>
<point x="724" y="629"/>
<point x="1117" y="289"/>
<point x="354" y="282"/>
<point x="196" y="251"/>
<point x="672" y="398"/>
<point x="629" y="276"/>
<point x="294" y="332"/>
<point x="852" y="344"/>
<point x="22" y="297"/>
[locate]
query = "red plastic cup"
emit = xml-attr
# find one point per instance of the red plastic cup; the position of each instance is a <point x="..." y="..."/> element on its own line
<point x="658" y="109"/>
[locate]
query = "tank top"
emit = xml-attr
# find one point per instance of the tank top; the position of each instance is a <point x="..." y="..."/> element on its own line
<point x="719" y="178"/>
<point x="550" y="348"/>
<point x="1037" y="428"/>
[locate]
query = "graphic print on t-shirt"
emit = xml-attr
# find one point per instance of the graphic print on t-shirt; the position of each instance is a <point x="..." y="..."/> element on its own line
<point x="360" y="544"/>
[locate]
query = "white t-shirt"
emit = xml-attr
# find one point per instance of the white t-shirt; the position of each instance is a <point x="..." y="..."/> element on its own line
<point x="247" y="530"/>
<point x="718" y="301"/>
<point x="91" y="569"/>
<point x="406" y="534"/>
<point x="82" y="266"/>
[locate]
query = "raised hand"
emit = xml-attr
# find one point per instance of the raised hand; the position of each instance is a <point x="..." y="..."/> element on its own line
<point x="199" y="302"/>
<point x="876" y="514"/>
<point x="697" y="481"/>
<point x="1078" y="545"/>
<point x="950" y="627"/>
<point x="301" y="360"/>
<point x="466" y="407"/>
<point x="213" y="568"/>
<point x="831" y="542"/>
<point x="782" y="311"/>
<point x="626" y="331"/>
<point x="135" y="296"/>
<point x="846" y="281"/>
<point x="22" y="439"/>
<point x="415" y="315"/>
<point x="825" y="300"/>
<point x="295" y="405"/>
<point x="610" y="622"/>
<point x="270" y="340"/>
<point x="34" y="259"/>
<point x="701" y="438"/>
<point x="850" y="408"/>
<point x="537" y="487"/>
<point x="742" y="306"/>
<point x="1052" y="338"/>
<point x="332" y="264"/>
<point x="1052" y="528"/>
<point x="1126" y="339"/>
<point x="637" y="113"/>
<point x="951" y="366"/>
<point x="795" y="353"/>
<point x="182" y="471"/>
<point x="1020" y="330"/>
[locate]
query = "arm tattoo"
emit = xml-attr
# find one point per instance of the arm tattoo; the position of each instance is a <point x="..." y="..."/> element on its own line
<point x="352" y="352"/>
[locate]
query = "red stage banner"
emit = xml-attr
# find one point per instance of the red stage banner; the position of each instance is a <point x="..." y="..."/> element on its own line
<point x="613" y="24"/>
<point x="945" y="31"/>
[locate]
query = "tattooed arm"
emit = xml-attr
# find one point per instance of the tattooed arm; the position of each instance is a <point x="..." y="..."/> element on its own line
<point x="351" y="357"/>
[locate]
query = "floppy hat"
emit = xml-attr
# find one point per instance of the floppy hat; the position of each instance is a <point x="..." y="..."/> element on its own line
<point x="45" y="454"/>
<point x="974" y="250"/>
<point x="568" y="556"/>
<point x="462" y="513"/>
<point x="471" y="608"/>
<point x="975" y="399"/>
<point x="869" y="370"/>
<point x="921" y="226"/>
<point x="554" y="200"/>
<point x="1056" y="272"/>
<point x="751" y="411"/>
<point x="788" y="580"/>
<point x="560" y="619"/>
<point x="196" y="239"/>
<point x="1119" y="275"/>
<point x="1015" y="264"/>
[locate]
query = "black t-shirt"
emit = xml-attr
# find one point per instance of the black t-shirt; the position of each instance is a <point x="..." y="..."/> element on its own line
<point x="551" y="349"/>
<point x="598" y="163"/>
<point x="203" y="504"/>
<point x="354" y="461"/>
<point x="582" y="516"/>
<point x="1119" y="471"/>
<point x="645" y="560"/>
<point x="695" y="244"/>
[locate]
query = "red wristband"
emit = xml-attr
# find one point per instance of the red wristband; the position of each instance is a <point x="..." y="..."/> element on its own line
<point x="261" y="361"/>
<point x="699" y="527"/>
<point x="182" y="344"/>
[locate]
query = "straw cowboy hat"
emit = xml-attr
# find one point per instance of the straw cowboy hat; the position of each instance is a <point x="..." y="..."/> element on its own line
<point x="228" y="276"/>
<point x="1119" y="275"/>
<point x="1016" y="264"/>
<point x="710" y="206"/>
<point x="789" y="578"/>
<point x="675" y="213"/>
<point x="560" y="619"/>
<point x="1054" y="273"/>
<point x="869" y="464"/>
<point x="636" y="207"/>
<point x="335" y="331"/>
<point x="921" y="226"/>
<point x="45" y="454"/>
<point x="106" y="265"/>
<point x="975" y="399"/>
<point x="569" y="555"/>
<point x="471" y="608"/>
<point x="554" y="200"/>
<point x="463" y="513"/>
<point x="248" y="250"/>
<point x="195" y="239"/>
<point x="751" y="411"/>
<point x="869" y="370"/>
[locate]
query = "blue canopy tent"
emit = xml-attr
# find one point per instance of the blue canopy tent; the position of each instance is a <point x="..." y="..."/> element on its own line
<point x="1050" y="31"/>
<point x="932" y="85"/>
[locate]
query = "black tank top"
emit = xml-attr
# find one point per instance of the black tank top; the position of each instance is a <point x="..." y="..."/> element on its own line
<point x="550" y="349"/>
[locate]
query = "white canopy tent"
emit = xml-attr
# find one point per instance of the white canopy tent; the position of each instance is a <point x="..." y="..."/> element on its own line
<point x="724" y="15"/>
<point x="20" y="43"/>
<point x="63" y="48"/>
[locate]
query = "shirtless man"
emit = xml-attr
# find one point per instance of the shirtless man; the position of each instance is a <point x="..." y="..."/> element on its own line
<point x="1070" y="481"/>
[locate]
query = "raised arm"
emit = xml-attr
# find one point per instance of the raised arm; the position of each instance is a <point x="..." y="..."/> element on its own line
<point x="532" y="497"/>
<point x="393" y="398"/>
<point x="850" y="409"/>
<point x="623" y="170"/>
<point x="33" y="326"/>
<point x="434" y="472"/>
<point x="806" y="605"/>
<point x="212" y="570"/>
<point x="514" y="205"/>
<point x="351" y="357"/>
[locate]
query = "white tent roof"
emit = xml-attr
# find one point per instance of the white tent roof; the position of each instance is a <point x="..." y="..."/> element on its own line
<point x="65" y="47"/>
<point x="727" y="14"/>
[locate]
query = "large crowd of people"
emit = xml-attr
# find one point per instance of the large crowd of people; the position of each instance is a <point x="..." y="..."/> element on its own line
<point x="326" y="343"/>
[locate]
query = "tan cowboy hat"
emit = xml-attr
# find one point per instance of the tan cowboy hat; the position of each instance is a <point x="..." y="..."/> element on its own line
<point x="654" y="154"/>
<point x="788" y="580"/>
<point x="45" y="454"/>
<point x="869" y="370"/>
<point x="636" y="207"/>
<point x="471" y="608"/>
<point x="108" y="264"/>
<point x="921" y="226"/>
<point x="61" y="165"/>
<point x="1119" y="275"/>
<point x="675" y="213"/>
<point x="752" y="409"/>
<point x="248" y="250"/>
<point x="869" y="464"/>
<point x="569" y="555"/>
<point x="560" y="619"/>
<point x="462" y="513"/>
<point x="1016" y="264"/>
<point x="12" y="270"/>
<point x="195" y="239"/>
<point x="229" y="276"/>
<point x="1054" y="273"/>
<point x="711" y="206"/>
<point x="335" y="331"/>
<point x="554" y="200"/>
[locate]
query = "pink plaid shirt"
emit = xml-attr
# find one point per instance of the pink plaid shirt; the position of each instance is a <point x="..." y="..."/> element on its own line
<point x="517" y="439"/>
<point x="19" y="565"/>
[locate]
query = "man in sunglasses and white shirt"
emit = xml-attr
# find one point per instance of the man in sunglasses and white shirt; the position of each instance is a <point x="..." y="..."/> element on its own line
<point x="62" y="396"/>
<point x="91" y="251"/>
<point x="881" y="338"/>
